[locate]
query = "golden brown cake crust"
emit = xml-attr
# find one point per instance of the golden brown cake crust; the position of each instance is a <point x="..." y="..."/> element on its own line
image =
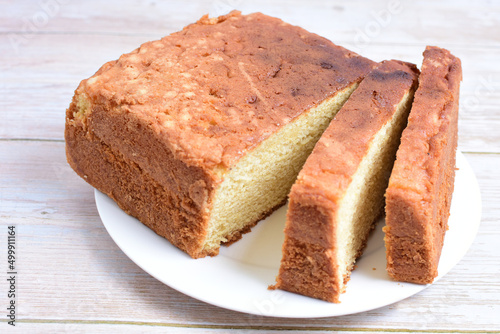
<point x="136" y="192"/>
<point x="421" y="185"/>
<point x="179" y="112"/>
<point x="308" y="266"/>
<point x="221" y="86"/>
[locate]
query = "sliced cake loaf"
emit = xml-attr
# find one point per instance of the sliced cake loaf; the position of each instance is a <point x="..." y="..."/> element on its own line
<point x="340" y="191"/>
<point x="421" y="184"/>
<point x="201" y="134"/>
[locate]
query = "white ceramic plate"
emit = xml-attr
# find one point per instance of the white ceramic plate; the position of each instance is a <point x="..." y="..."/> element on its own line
<point x="238" y="277"/>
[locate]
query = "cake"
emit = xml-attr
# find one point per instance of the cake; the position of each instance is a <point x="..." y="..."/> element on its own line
<point x="421" y="185"/>
<point x="339" y="193"/>
<point x="201" y="134"/>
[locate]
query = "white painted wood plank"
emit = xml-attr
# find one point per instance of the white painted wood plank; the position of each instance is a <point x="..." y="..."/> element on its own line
<point x="33" y="98"/>
<point x="38" y="82"/>
<point x="128" y="328"/>
<point x="70" y="269"/>
<point x="380" y="21"/>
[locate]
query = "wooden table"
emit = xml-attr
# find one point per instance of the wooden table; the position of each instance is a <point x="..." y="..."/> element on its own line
<point x="73" y="278"/>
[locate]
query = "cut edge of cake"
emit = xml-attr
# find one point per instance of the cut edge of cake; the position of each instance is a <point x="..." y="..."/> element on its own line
<point x="278" y="160"/>
<point x="130" y="156"/>
<point x="333" y="209"/>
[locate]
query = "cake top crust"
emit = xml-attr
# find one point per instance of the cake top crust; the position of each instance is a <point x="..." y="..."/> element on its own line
<point x="335" y="159"/>
<point x="223" y="85"/>
<point x="417" y="165"/>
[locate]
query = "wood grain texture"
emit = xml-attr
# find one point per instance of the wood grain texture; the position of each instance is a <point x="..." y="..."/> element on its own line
<point x="73" y="277"/>
<point x="83" y="327"/>
<point x="48" y="65"/>
<point x="401" y="22"/>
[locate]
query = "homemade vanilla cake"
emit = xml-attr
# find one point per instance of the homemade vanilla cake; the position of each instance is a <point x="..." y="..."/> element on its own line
<point x="201" y="134"/>
<point x="421" y="185"/>
<point x="339" y="193"/>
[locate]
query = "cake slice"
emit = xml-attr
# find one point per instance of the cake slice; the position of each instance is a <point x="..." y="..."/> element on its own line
<point x="421" y="185"/>
<point x="339" y="193"/>
<point x="201" y="134"/>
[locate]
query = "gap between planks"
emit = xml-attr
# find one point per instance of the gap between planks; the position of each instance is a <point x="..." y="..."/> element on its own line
<point x="62" y="141"/>
<point x="239" y="327"/>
